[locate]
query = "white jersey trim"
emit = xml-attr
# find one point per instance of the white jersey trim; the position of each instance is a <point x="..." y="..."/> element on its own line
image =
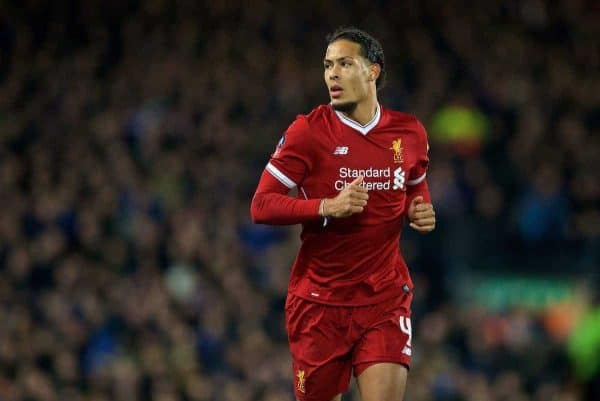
<point x="363" y="129"/>
<point x="282" y="178"/>
<point x="416" y="180"/>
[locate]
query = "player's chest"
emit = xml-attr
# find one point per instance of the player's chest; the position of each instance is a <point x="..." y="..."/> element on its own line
<point x="383" y="158"/>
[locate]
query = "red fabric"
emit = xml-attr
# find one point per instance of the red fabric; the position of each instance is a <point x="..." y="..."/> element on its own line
<point x="272" y="205"/>
<point x="421" y="189"/>
<point x="328" y="342"/>
<point x="355" y="260"/>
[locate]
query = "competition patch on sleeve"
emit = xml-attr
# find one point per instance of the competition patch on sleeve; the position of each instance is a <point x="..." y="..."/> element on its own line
<point x="279" y="146"/>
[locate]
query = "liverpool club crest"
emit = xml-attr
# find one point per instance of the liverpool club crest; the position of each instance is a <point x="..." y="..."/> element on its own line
<point x="397" y="148"/>
<point x="301" y="381"/>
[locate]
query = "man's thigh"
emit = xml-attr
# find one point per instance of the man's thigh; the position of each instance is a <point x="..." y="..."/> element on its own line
<point x="383" y="382"/>
<point x="387" y="337"/>
<point x="383" y="354"/>
<point x="321" y="355"/>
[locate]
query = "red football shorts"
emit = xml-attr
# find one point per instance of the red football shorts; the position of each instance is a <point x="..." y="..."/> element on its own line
<point x="329" y="342"/>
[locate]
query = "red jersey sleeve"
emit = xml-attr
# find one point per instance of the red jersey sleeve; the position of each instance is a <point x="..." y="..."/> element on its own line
<point x="287" y="168"/>
<point x="291" y="161"/>
<point x="272" y="205"/>
<point x="417" y="183"/>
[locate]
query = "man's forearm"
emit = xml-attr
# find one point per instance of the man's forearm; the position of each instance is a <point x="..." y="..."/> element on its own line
<point x="280" y="209"/>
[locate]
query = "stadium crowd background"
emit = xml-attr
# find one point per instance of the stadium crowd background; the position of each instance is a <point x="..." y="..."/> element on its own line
<point x="132" y="135"/>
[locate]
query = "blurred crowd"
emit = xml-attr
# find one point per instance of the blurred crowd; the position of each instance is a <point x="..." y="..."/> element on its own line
<point x="133" y="133"/>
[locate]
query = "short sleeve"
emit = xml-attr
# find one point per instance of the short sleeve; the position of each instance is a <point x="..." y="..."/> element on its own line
<point x="291" y="162"/>
<point x="419" y="171"/>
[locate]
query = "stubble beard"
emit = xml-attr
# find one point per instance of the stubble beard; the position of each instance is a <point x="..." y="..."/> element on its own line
<point x="347" y="107"/>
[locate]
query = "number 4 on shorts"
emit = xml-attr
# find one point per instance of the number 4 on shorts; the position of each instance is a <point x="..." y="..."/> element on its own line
<point x="406" y="328"/>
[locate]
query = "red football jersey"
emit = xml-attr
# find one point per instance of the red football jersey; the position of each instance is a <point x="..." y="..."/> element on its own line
<point x="354" y="260"/>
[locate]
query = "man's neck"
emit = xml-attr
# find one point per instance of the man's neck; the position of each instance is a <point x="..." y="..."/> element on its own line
<point x="364" y="111"/>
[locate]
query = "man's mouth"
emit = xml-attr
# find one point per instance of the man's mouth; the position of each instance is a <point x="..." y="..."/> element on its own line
<point x="335" y="91"/>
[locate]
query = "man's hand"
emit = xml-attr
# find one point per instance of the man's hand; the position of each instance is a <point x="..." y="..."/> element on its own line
<point x="421" y="215"/>
<point x="349" y="201"/>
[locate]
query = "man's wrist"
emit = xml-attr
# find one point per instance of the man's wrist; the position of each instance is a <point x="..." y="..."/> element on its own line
<point x="322" y="210"/>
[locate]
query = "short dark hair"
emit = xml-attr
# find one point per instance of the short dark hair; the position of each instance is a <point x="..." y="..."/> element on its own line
<point x="370" y="47"/>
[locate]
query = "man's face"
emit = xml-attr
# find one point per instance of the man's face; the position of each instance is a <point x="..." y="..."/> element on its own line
<point x="347" y="74"/>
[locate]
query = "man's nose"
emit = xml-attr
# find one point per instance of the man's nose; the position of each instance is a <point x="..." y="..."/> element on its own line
<point x="334" y="73"/>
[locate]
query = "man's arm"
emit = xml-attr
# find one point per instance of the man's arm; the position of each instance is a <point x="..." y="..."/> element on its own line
<point x="420" y="211"/>
<point x="271" y="204"/>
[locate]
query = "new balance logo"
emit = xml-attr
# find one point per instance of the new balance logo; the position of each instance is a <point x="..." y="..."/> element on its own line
<point x="341" y="150"/>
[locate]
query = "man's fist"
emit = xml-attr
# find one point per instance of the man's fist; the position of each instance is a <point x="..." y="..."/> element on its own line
<point x="421" y="215"/>
<point x="349" y="201"/>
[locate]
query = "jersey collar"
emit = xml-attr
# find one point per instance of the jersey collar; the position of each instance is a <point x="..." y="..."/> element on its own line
<point x="363" y="129"/>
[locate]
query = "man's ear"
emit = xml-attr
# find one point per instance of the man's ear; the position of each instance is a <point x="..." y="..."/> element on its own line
<point x="374" y="71"/>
